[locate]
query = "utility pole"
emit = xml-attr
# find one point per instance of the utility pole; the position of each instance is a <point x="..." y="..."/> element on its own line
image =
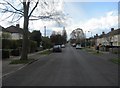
<point x="45" y="31"/>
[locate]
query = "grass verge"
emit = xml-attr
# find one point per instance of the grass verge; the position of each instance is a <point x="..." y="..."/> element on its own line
<point x="47" y="52"/>
<point x="93" y="51"/>
<point x="115" y="60"/>
<point x="22" y="61"/>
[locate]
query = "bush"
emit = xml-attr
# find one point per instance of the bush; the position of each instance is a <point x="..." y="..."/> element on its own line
<point x="6" y="44"/>
<point x="32" y="46"/>
<point x="5" y="54"/>
<point x="15" y="52"/>
<point x="11" y="44"/>
<point x="46" y="43"/>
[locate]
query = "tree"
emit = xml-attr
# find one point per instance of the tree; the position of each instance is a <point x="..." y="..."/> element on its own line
<point x="46" y="43"/>
<point x="78" y="35"/>
<point x="56" y="38"/>
<point x="26" y="10"/>
<point x="36" y="36"/>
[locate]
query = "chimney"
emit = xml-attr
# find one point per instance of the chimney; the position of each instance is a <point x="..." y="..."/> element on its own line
<point x="17" y="25"/>
<point x="112" y="29"/>
<point x="96" y="35"/>
<point x="103" y="32"/>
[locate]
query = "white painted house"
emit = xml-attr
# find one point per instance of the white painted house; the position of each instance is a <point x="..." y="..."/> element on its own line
<point x="111" y="39"/>
<point x="15" y="31"/>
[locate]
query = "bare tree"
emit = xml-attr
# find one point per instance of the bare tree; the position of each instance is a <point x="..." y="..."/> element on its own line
<point x="27" y="9"/>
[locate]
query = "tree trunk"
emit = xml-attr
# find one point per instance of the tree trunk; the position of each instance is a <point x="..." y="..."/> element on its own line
<point x="24" y="55"/>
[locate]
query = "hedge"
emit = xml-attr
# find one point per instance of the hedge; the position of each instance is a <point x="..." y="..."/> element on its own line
<point x="15" y="52"/>
<point x="32" y="46"/>
<point x="11" y="44"/>
<point x="17" y="44"/>
<point x="5" y="54"/>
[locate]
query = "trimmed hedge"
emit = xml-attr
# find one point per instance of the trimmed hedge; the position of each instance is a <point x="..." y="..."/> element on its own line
<point x="11" y="44"/>
<point x="15" y="52"/>
<point x="16" y="45"/>
<point x="32" y="46"/>
<point x="5" y="54"/>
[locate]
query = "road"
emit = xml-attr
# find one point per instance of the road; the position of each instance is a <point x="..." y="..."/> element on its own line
<point x="70" y="68"/>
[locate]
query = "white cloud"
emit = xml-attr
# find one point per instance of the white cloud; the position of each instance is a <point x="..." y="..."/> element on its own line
<point x="97" y="25"/>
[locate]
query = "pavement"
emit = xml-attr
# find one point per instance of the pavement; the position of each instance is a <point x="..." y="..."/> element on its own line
<point x="8" y="68"/>
<point x="72" y="67"/>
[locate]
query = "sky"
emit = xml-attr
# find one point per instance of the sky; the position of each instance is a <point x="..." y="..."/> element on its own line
<point x="95" y="17"/>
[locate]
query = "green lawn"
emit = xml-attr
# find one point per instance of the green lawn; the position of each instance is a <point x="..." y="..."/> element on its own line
<point x="89" y="50"/>
<point x="47" y="52"/>
<point x="115" y="60"/>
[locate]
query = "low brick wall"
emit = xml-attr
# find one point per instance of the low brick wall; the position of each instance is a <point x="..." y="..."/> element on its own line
<point x="104" y="49"/>
<point x="115" y="50"/>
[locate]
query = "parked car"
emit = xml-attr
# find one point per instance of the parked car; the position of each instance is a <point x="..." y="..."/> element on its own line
<point x="57" y="48"/>
<point x="63" y="46"/>
<point x="78" y="46"/>
<point x="74" y="45"/>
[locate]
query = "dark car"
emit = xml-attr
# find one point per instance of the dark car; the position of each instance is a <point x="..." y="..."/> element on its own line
<point x="57" y="48"/>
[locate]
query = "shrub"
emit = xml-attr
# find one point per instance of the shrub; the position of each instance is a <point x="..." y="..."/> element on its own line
<point x="5" y="54"/>
<point x="32" y="46"/>
<point x="11" y="44"/>
<point x="15" y="52"/>
<point x="6" y="44"/>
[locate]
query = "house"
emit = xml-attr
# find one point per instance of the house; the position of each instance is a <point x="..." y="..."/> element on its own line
<point x="109" y="39"/>
<point x="15" y="31"/>
<point x="3" y="33"/>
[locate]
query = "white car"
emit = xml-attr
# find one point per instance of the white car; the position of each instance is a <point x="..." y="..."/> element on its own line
<point x="78" y="46"/>
<point x="63" y="46"/>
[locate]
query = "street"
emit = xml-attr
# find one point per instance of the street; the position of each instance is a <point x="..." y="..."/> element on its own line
<point x="72" y="67"/>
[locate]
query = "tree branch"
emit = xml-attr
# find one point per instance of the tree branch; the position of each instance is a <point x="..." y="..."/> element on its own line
<point x="16" y="20"/>
<point x="6" y="10"/>
<point x="7" y="17"/>
<point x="33" y="8"/>
<point x="14" y="7"/>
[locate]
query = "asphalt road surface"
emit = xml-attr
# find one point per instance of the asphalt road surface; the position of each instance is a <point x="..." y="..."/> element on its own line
<point x="70" y="68"/>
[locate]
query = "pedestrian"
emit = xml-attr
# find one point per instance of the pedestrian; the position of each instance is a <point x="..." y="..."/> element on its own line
<point x="97" y="48"/>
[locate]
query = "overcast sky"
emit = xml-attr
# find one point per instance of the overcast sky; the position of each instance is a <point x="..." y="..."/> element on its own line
<point x="89" y="16"/>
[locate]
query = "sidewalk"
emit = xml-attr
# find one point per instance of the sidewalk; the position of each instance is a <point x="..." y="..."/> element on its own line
<point x="105" y="55"/>
<point x="11" y="68"/>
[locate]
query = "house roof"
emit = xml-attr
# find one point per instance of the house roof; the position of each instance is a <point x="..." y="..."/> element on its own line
<point x="2" y="29"/>
<point x="114" y="32"/>
<point x="14" y="29"/>
<point x="111" y="33"/>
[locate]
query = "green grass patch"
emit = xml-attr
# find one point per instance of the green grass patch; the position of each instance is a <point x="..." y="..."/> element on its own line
<point x="115" y="60"/>
<point x="95" y="53"/>
<point x="47" y="52"/>
<point x="21" y="61"/>
<point x="88" y="50"/>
